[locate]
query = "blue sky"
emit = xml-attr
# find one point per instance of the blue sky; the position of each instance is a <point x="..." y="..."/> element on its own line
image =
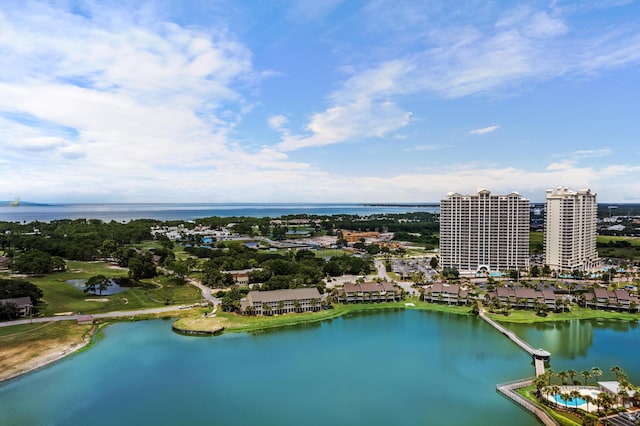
<point x="317" y="101"/>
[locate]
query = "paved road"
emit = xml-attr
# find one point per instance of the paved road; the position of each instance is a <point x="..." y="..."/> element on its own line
<point x="405" y="285"/>
<point x="206" y="293"/>
<point x="114" y="314"/>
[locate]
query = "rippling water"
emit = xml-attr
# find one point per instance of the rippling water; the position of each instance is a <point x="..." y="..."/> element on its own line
<point x="401" y="368"/>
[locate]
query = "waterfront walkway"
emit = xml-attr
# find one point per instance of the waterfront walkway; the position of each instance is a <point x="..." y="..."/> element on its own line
<point x="539" y="355"/>
<point x="509" y="390"/>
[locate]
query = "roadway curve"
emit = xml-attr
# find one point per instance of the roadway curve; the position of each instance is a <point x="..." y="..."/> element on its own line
<point x="206" y="294"/>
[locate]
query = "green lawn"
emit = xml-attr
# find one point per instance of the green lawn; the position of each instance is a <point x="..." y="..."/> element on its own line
<point x="240" y="323"/>
<point x="576" y="312"/>
<point x="330" y="253"/>
<point x="59" y="296"/>
<point x="604" y="239"/>
<point x="565" y="418"/>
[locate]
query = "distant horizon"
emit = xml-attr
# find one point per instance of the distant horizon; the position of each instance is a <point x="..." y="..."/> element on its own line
<point x="364" y="203"/>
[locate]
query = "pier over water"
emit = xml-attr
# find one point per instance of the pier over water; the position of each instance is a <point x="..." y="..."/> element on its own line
<point x="509" y="389"/>
<point x="539" y="355"/>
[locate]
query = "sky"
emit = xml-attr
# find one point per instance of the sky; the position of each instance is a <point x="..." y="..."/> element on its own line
<point x="317" y="101"/>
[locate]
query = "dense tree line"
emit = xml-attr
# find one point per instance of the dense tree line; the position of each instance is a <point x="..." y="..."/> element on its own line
<point x="10" y="288"/>
<point x="36" y="262"/>
<point x="79" y="239"/>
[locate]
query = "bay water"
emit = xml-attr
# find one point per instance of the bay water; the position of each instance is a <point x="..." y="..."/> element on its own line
<point x="392" y="367"/>
<point x="388" y="367"/>
<point x="124" y="212"/>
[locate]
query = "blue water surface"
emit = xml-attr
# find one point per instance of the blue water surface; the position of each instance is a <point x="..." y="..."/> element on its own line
<point x="400" y="368"/>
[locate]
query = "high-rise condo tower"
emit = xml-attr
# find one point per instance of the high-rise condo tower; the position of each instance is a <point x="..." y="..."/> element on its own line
<point x="570" y="230"/>
<point x="484" y="232"/>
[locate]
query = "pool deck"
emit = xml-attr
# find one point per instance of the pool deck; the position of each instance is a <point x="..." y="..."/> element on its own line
<point x="584" y="391"/>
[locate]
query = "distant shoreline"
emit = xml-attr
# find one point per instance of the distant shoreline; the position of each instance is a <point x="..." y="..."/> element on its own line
<point x="400" y="204"/>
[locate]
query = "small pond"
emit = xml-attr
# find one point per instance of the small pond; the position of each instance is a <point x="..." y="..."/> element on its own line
<point x="113" y="288"/>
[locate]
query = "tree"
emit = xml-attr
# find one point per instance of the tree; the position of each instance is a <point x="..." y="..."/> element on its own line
<point x="451" y="273"/>
<point x="10" y="288"/>
<point x="534" y="271"/>
<point x="314" y="303"/>
<point x="588" y="399"/>
<point x="575" y="394"/>
<point x="97" y="283"/>
<point x="555" y="390"/>
<point x="433" y="262"/>
<point x="180" y="270"/>
<point x="142" y="266"/>
<point x="596" y="372"/>
<point x="340" y="242"/>
<point x="36" y="262"/>
<point x="9" y="311"/>
<point x="231" y="300"/>
<point x="266" y="309"/>
<point x="587" y="375"/>
<point x="572" y="374"/>
<point x="562" y="375"/>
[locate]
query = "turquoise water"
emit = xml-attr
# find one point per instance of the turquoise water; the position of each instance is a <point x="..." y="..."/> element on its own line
<point x="581" y="345"/>
<point x="571" y="402"/>
<point x="401" y="368"/>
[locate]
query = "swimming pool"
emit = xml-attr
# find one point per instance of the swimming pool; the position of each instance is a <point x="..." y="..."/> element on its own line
<point x="571" y="402"/>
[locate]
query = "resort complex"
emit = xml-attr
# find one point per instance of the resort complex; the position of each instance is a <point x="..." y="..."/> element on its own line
<point x="480" y="256"/>
<point x="281" y="301"/>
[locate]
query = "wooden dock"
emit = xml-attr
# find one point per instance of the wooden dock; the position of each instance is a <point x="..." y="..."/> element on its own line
<point x="539" y="355"/>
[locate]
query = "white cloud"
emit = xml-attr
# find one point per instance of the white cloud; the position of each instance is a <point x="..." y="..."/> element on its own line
<point x="277" y="122"/>
<point x="541" y="25"/>
<point x="362" y="108"/>
<point x="134" y="98"/>
<point x="483" y="130"/>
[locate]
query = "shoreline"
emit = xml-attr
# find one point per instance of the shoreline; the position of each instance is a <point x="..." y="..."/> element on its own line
<point x="59" y="354"/>
<point x="259" y="324"/>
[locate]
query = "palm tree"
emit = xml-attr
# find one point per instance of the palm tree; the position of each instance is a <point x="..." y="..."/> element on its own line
<point x="575" y="394"/>
<point x="588" y="399"/>
<point x="620" y="374"/>
<point x="539" y="383"/>
<point x="607" y="402"/>
<point x="587" y="375"/>
<point x="572" y="373"/>
<point x="266" y="309"/>
<point x="296" y="305"/>
<point x="623" y="394"/>
<point x="596" y="372"/>
<point x="555" y="390"/>
<point x="549" y="373"/>
<point x="314" y="303"/>
<point x="280" y="306"/>
<point x="563" y="375"/>
<point x="566" y="397"/>
<point x="548" y="391"/>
